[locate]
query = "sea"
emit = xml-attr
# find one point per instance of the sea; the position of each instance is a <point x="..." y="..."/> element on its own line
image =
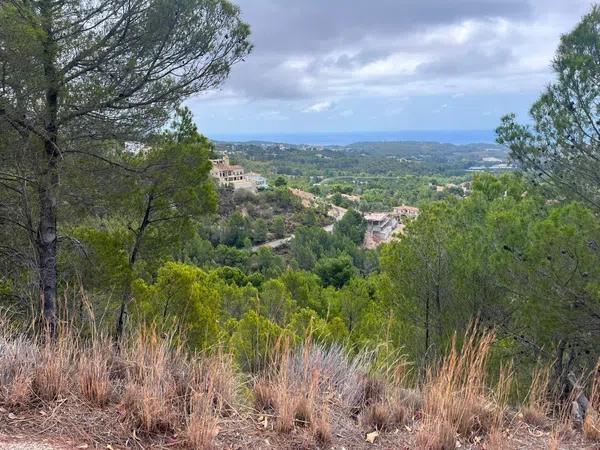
<point x="344" y="138"/>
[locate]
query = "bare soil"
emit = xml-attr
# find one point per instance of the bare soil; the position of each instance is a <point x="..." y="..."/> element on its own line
<point x="56" y="426"/>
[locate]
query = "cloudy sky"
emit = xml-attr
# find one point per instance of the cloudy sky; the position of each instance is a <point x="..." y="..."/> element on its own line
<point x="387" y="65"/>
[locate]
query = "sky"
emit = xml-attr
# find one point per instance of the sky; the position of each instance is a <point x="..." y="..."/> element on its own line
<point x="387" y="65"/>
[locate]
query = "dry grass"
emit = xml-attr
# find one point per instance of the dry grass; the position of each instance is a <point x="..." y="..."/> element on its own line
<point x="535" y="411"/>
<point x="457" y="398"/>
<point x="497" y="440"/>
<point x="591" y="426"/>
<point x="53" y="368"/>
<point x="437" y="435"/>
<point x="591" y="423"/>
<point x="554" y="442"/>
<point x="322" y="427"/>
<point x="17" y="369"/>
<point x="151" y="388"/>
<point x="156" y="390"/>
<point x="93" y="374"/>
<point x="202" y="422"/>
<point x="264" y="398"/>
<point x="159" y="386"/>
<point x="385" y="415"/>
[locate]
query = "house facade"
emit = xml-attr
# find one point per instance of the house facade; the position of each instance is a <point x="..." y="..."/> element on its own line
<point x="380" y="226"/>
<point x="233" y="175"/>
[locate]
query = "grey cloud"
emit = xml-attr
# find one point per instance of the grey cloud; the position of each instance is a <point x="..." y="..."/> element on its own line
<point x="471" y="61"/>
<point x="306" y="26"/>
<point x="335" y="39"/>
<point x="266" y="78"/>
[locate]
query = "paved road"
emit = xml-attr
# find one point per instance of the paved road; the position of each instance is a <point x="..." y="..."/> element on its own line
<point x="336" y="212"/>
<point x="281" y="242"/>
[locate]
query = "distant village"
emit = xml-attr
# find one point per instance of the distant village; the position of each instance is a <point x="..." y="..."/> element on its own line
<point x="381" y="226"/>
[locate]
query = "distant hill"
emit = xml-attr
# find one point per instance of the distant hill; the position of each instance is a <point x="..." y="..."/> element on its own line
<point x="421" y="148"/>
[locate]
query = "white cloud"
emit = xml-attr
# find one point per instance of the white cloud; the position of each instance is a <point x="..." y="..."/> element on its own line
<point x="391" y="58"/>
<point x="319" y="107"/>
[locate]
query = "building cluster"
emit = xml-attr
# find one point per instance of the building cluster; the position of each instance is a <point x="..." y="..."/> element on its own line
<point x="465" y="187"/>
<point x="382" y="226"/>
<point x="233" y="175"/>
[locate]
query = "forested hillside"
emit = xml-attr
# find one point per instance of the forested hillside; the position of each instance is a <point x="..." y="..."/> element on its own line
<point x="137" y="290"/>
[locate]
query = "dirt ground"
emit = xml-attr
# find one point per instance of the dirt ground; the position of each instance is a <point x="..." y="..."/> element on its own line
<point x="60" y="426"/>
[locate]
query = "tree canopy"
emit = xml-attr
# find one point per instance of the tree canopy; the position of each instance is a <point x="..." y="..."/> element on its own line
<point x="561" y="150"/>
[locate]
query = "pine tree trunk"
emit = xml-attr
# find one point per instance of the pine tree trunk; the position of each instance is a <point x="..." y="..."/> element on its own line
<point x="47" y="246"/>
<point x="48" y="188"/>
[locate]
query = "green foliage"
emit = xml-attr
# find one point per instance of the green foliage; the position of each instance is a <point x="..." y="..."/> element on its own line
<point x="237" y="301"/>
<point x="335" y="271"/>
<point x="276" y="302"/>
<point x="183" y="298"/>
<point x="107" y="262"/>
<point x="305" y="289"/>
<point x="353" y="299"/>
<point x="278" y="227"/>
<point x="254" y="340"/>
<point x="560" y="151"/>
<point x="307" y="324"/>
<point x="353" y="226"/>
<point x="259" y="231"/>
<point x="280" y="182"/>
<point x="266" y="263"/>
<point x="508" y="257"/>
<point x="236" y="231"/>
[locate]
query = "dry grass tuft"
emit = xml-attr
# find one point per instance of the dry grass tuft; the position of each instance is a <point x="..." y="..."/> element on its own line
<point x="222" y="380"/>
<point x="535" y="412"/>
<point x="376" y="416"/>
<point x="149" y="392"/>
<point x="322" y="427"/>
<point x="384" y="415"/>
<point x="554" y="442"/>
<point x="285" y="415"/>
<point x="591" y="423"/>
<point x="18" y="359"/>
<point x="93" y="374"/>
<point x="304" y="411"/>
<point x="456" y="397"/>
<point x="53" y="368"/>
<point x="202" y="422"/>
<point x="591" y="426"/>
<point x="496" y="440"/>
<point x="438" y="435"/>
<point x="534" y="417"/>
<point x="264" y="397"/>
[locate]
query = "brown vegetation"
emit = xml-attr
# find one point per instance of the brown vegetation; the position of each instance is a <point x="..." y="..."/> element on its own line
<point x="151" y="390"/>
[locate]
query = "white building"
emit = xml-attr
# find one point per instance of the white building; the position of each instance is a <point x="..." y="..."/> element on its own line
<point x="380" y="226"/>
<point x="233" y="175"/>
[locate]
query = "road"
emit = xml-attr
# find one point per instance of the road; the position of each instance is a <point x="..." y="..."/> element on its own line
<point x="308" y="199"/>
<point x="356" y="177"/>
<point x="281" y="242"/>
